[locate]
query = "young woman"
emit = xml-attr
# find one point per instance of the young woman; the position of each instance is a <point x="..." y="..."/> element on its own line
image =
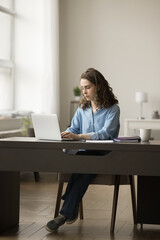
<point x="96" y="118"/>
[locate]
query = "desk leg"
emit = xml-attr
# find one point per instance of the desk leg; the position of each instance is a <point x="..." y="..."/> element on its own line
<point x="9" y="199"/>
<point x="148" y="200"/>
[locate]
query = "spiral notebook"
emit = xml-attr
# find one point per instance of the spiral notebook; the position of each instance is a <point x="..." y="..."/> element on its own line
<point x="128" y="139"/>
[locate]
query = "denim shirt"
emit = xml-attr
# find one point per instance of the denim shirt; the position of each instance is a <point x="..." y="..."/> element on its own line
<point x="102" y="124"/>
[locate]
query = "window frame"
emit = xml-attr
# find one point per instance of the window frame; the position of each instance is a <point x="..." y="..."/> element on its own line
<point x="9" y="63"/>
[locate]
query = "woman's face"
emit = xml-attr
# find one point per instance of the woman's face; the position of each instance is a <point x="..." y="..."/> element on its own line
<point x="88" y="89"/>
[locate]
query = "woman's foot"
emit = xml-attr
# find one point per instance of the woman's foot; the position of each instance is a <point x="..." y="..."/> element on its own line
<point x="73" y="219"/>
<point x="54" y="224"/>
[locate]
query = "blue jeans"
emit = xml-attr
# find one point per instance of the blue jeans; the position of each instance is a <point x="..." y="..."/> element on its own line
<point x="77" y="187"/>
<point x="74" y="193"/>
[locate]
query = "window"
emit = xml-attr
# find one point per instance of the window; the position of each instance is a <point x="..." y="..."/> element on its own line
<point x="6" y="54"/>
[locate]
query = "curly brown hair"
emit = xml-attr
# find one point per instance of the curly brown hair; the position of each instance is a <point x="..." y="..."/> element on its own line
<point x="105" y="97"/>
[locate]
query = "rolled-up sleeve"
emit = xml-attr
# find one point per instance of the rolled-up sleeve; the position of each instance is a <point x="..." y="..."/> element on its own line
<point x="75" y="124"/>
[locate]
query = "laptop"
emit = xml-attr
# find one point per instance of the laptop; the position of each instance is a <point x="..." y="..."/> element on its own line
<point x="46" y="127"/>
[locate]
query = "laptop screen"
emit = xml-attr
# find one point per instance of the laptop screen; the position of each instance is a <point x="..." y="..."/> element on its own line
<point x="46" y="126"/>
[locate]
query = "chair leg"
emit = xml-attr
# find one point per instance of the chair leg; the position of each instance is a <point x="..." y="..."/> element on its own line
<point x="36" y="176"/>
<point x="133" y="197"/>
<point x="81" y="210"/>
<point x="58" y="201"/>
<point x="115" y="201"/>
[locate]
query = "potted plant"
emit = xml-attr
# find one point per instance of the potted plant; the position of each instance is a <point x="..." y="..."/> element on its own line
<point x="27" y="128"/>
<point x="77" y="93"/>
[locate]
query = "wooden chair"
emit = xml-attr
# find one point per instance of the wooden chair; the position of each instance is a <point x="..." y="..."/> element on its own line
<point x="102" y="179"/>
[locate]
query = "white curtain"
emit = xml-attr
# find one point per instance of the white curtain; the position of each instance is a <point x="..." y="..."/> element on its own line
<point x="50" y="76"/>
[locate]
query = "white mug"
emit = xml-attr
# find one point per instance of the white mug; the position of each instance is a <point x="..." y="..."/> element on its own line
<point x="145" y="134"/>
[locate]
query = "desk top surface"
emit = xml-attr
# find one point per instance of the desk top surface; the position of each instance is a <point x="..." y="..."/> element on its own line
<point x="30" y="142"/>
<point x="28" y="154"/>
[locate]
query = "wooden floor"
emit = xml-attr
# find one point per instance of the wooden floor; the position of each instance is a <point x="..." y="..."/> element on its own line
<point x="37" y="208"/>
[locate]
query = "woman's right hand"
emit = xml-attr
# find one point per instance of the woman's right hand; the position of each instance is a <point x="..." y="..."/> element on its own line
<point x="75" y="136"/>
<point x="69" y="135"/>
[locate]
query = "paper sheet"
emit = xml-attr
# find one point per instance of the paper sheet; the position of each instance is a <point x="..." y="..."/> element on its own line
<point x="99" y="141"/>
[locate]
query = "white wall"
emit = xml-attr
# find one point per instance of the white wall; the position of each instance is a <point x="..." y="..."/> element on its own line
<point x="121" y="39"/>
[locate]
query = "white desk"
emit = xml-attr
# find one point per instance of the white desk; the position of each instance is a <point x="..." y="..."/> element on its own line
<point x="140" y="123"/>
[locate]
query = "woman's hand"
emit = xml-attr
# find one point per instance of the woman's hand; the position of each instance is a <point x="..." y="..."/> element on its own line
<point x="75" y="136"/>
<point x="70" y="135"/>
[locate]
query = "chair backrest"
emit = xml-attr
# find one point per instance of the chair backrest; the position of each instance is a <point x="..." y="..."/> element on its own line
<point x="101" y="179"/>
